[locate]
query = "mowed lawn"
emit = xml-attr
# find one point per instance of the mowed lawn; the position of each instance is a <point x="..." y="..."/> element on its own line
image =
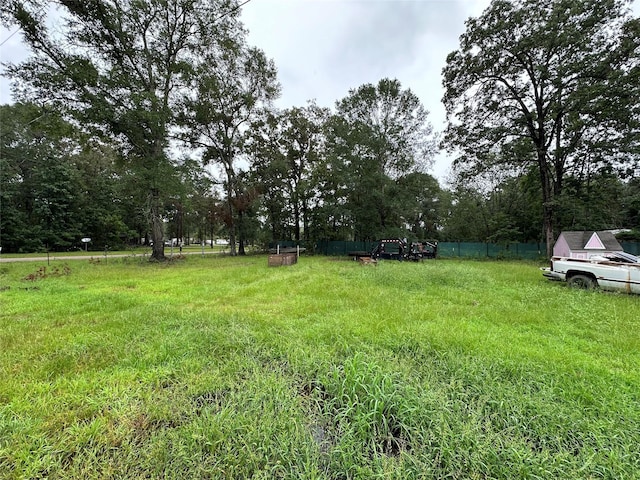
<point x="221" y="367"/>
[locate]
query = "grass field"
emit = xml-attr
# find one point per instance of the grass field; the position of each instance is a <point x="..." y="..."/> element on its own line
<point x="221" y="367"/>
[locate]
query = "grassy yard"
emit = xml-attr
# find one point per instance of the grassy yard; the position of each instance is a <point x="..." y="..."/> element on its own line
<point x="221" y="367"/>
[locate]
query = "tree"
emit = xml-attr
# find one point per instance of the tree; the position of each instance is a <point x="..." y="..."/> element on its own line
<point x="378" y="134"/>
<point x="631" y="205"/>
<point x="117" y="67"/>
<point x="421" y="205"/>
<point x="303" y="144"/>
<point x="20" y="150"/>
<point x="231" y="87"/>
<point x="105" y="196"/>
<point x="188" y="206"/>
<point x="592" y="202"/>
<point x="286" y="148"/>
<point x="548" y="86"/>
<point x="466" y="219"/>
<point x="269" y="173"/>
<point x="40" y="194"/>
<point x="58" y="185"/>
<point x="494" y="209"/>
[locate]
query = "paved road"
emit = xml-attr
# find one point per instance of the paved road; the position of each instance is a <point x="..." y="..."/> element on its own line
<point x="60" y="257"/>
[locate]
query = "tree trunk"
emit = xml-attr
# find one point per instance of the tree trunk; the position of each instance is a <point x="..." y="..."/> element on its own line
<point x="228" y="168"/>
<point x="548" y="203"/>
<point x="548" y="214"/>
<point x="241" y="238"/>
<point x="180" y="223"/>
<point x="157" y="227"/>
<point x="305" y="222"/>
<point x="274" y="228"/>
<point x="232" y="227"/>
<point x="296" y="217"/>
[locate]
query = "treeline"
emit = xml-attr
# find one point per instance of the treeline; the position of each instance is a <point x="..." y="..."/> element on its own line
<point x="300" y="182"/>
<point x="143" y="121"/>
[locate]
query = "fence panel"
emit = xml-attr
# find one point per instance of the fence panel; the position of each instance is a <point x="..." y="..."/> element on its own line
<point x="461" y="249"/>
<point x="531" y="251"/>
<point x="333" y="248"/>
<point x="446" y="249"/>
<point x="631" y="247"/>
<point x="282" y="244"/>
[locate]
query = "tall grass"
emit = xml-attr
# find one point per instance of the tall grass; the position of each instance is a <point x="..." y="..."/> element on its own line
<point x="221" y="367"/>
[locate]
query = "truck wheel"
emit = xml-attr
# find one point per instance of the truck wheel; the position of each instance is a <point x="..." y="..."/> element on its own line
<point x="581" y="281"/>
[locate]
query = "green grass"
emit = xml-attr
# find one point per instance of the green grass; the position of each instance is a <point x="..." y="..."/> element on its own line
<point x="221" y="367"/>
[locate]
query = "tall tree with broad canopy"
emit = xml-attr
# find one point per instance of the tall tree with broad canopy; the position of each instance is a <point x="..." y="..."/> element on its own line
<point x="378" y="134"/>
<point x="117" y="66"/>
<point x="286" y="149"/>
<point x="545" y="86"/>
<point x="268" y="172"/>
<point x="230" y="89"/>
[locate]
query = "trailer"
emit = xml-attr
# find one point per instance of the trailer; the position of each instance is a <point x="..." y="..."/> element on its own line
<point x="401" y="250"/>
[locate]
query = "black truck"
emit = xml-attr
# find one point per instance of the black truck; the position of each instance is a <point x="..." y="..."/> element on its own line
<point x="400" y="249"/>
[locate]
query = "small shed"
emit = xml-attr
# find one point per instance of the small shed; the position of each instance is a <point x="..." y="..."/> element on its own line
<point x="585" y="244"/>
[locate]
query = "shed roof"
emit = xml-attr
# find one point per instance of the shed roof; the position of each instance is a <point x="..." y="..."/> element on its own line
<point x="579" y="240"/>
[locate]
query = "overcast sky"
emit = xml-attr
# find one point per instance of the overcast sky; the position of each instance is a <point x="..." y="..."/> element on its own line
<point x="324" y="48"/>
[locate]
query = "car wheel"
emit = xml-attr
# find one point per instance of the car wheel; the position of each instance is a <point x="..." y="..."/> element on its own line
<point x="581" y="281"/>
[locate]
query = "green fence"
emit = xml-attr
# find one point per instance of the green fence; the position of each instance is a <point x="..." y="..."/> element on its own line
<point x="334" y="248"/>
<point x="631" y="247"/>
<point x="446" y="249"/>
<point x="531" y="251"/>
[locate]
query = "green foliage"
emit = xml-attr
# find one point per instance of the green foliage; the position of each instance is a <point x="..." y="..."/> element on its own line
<point x="59" y="186"/>
<point x="631" y="204"/>
<point x="421" y="204"/>
<point x="191" y="211"/>
<point x="550" y="87"/>
<point x="120" y="68"/>
<point x="215" y="115"/>
<point x="542" y="100"/>
<point x="506" y="210"/>
<point x="632" y="235"/>
<point x="40" y="194"/>
<point x="379" y="134"/>
<point x="324" y="369"/>
<point x="287" y="149"/>
<point x="593" y="203"/>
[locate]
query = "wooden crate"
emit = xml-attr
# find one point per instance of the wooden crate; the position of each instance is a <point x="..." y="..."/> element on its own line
<point x="282" y="259"/>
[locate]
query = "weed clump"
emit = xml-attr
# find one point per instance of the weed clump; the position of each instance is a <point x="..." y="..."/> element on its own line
<point x="358" y="400"/>
<point x="42" y="273"/>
